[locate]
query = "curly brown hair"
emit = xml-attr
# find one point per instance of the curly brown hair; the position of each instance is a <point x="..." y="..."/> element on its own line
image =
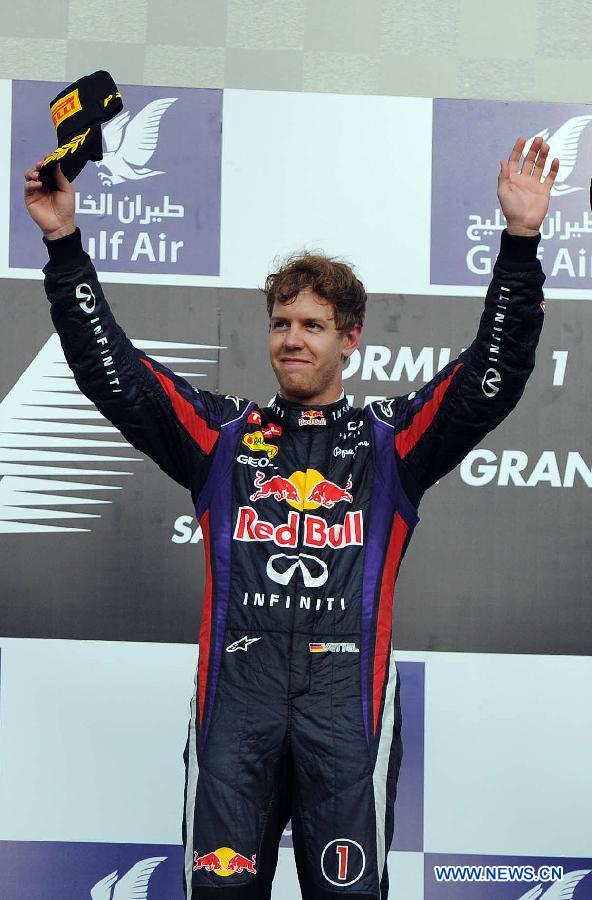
<point x="329" y="278"/>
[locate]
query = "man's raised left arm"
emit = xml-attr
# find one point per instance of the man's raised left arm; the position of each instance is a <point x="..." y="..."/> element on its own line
<point x="436" y="427"/>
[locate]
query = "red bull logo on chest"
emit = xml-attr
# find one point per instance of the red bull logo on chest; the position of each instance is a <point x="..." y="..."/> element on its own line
<point x="302" y="490"/>
<point x="277" y="487"/>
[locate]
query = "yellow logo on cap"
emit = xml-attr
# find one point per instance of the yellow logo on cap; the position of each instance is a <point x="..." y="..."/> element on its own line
<point x="111" y="97"/>
<point x="71" y="147"/>
<point x="65" y="107"/>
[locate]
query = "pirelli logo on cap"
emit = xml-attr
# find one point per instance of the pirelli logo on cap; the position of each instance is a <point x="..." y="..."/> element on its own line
<point x="65" y="107"/>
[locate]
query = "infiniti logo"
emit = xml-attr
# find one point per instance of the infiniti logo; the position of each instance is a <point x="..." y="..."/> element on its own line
<point x="85" y="295"/>
<point x="314" y="570"/>
<point x="491" y="382"/>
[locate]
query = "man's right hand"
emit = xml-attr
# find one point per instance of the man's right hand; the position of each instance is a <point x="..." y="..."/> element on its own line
<point x="53" y="211"/>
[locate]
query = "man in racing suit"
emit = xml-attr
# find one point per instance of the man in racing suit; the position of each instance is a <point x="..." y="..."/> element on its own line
<point x="307" y="507"/>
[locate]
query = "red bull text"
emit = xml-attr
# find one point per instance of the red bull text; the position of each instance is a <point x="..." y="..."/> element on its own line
<point x="317" y="532"/>
<point x="312" y="417"/>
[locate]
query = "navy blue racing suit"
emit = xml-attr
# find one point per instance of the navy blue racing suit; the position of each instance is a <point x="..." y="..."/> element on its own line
<point x="306" y="514"/>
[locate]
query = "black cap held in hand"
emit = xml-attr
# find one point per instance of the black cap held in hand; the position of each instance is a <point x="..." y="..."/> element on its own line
<point x="78" y="113"/>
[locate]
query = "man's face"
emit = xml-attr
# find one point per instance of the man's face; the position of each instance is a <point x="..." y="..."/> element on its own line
<point x="307" y="351"/>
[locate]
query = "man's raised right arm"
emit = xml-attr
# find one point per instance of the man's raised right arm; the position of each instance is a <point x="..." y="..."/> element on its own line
<point x="157" y="411"/>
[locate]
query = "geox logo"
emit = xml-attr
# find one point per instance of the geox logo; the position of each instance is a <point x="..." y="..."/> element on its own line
<point x="56" y="448"/>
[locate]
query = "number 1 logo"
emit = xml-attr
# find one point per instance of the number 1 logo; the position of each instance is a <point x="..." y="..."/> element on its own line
<point x="343" y="862"/>
<point x="342" y="851"/>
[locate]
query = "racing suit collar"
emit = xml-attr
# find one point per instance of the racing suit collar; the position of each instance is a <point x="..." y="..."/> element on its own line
<point x="298" y="415"/>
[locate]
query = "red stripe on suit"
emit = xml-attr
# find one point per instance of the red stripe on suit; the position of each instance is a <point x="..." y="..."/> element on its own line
<point x="203" y="435"/>
<point x="398" y="536"/>
<point x="406" y="440"/>
<point x="205" y="630"/>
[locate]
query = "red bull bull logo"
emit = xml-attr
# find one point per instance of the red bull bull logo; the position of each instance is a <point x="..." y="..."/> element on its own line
<point x="302" y="490"/>
<point x="240" y="863"/>
<point x="209" y="862"/>
<point x="225" y="862"/>
<point x="277" y="487"/>
<point x="327" y="493"/>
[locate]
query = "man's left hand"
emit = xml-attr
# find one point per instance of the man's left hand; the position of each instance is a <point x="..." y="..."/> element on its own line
<point x="523" y="197"/>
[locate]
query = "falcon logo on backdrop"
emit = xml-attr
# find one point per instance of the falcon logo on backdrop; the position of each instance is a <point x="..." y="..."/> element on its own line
<point x="137" y="211"/>
<point x="48" y="428"/>
<point x="129" y="144"/>
<point x="564" y="145"/>
<point x="560" y="890"/>
<point x="131" y="886"/>
<point x="469" y="226"/>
